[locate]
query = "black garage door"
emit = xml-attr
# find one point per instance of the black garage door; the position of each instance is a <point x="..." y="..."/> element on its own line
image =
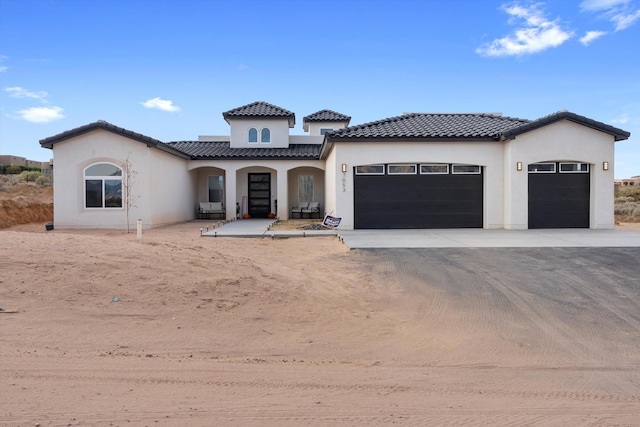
<point x="559" y="195"/>
<point x="422" y="196"/>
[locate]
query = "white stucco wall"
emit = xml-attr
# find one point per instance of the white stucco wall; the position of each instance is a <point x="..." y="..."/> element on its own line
<point x="240" y="132"/>
<point x="72" y="156"/>
<point x="487" y="154"/>
<point x="173" y="189"/>
<point x="560" y="141"/>
<point x="315" y="127"/>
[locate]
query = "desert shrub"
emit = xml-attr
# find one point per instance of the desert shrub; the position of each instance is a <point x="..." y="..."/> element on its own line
<point x="30" y="176"/>
<point x="633" y="192"/>
<point x="623" y="199"/>
<point x="627" y="208"/>
<point x="43" y="180"/>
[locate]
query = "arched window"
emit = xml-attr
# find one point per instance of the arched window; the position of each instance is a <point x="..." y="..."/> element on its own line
<point x="265" y="135"/>
<point x="103" y="186"/>
<point x="253" y="135"/>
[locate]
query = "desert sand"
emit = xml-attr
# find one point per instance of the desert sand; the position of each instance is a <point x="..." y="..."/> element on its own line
<point x="176" y="329"/>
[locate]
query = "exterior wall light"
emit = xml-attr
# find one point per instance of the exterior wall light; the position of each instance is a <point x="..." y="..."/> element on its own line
<point x="519" y="166"/>
<point x="344" y="168"/>
<point x="605" y="166"/>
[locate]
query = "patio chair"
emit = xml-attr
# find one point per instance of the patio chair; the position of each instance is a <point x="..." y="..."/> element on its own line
<point x="208" y="210"/>
<point x="313" y="211"/>
<point x="298" y="209"/>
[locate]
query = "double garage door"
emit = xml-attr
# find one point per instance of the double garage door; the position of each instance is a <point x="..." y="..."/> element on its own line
<point x="418" y="196"/>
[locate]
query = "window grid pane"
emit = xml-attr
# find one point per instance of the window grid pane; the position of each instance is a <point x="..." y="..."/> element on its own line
<point x="574" y="167"/>
<point x="265" y="135"/>
<point x="253" y="135"/>
<point x="434" y="169"/>
<point x="93" y="193"/>
<point x="466" y="169"/>
<point x="112" y="193"/>
<point x="370" y="170"/>
<point x="305" y="188"/>
<point x="542" y="168"/>
<point x="402" y="169"/>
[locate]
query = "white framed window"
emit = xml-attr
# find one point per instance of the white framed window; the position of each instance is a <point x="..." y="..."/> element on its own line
<point x="252" y="135"/>
<point x="265" y="136"/>
<point x="434" y="169"/>
<point x="574" y="167"/>
<point x="305" y="188"/>
<point x="542" y="168"/>
<point x="402" y="169"/>
<point x="103" y="186"/>
<point x="466" y="169"/>
<point x="325" y="130"/>
<point x="216" y="188"/>
<point x="370" y="170"/>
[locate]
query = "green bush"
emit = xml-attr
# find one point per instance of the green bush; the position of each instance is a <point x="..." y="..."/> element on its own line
<point x="13" y="170"/>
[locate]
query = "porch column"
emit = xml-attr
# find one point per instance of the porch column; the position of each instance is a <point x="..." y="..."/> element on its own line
<point x="230" y="193"/>
<point x="283" y="193"/>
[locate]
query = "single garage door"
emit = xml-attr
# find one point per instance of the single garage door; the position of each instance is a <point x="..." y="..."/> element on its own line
<point x="559" y="195"/>
<point x="418" y="196"/>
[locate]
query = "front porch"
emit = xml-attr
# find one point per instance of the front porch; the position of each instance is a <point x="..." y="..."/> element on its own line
<point x="266" y="190"/>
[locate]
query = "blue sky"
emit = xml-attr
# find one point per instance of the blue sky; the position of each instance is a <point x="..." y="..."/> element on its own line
<point x="168" y="69"/>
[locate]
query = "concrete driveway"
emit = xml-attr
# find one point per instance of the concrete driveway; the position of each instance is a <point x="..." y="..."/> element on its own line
<point x="480" y="238"/>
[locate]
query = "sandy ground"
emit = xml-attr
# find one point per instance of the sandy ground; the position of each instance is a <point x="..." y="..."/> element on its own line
<point x="290" y="332"/>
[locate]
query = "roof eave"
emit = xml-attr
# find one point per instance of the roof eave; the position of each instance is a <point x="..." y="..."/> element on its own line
<point x="73" y="133"/>
<point x="618" y="134"/>
<point x="333" y="139"/>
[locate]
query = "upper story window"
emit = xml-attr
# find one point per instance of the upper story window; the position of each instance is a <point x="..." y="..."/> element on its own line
<point x="325" y="130"/>
<point x="103" y="186"/>
<point x="253" y="135"/>
<point x="265" y="135"/>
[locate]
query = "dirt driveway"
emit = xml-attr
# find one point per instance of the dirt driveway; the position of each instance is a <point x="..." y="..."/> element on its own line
<point x="290" y="332"/>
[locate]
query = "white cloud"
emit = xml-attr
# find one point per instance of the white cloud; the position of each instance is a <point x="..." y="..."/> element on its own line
<point x="624" y="118"/>
<point x="41" y="114"/>
<point x="536" y="33"/>
<point x="161" y="104"/>
<point x="19" y="92"/>
<point x="591" y="36"/>
<point x="601" y="4"/>
<point x="625" y="20"/>
<point x="3" y="67"/>
<point x="620" y="12"/>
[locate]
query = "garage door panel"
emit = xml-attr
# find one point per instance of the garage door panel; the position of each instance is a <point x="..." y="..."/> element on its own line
<point x="559" y="200"/>
<point x="418" y="201"/>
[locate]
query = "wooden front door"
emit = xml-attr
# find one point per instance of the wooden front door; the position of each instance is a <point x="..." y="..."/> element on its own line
<point x="259" y="195"/>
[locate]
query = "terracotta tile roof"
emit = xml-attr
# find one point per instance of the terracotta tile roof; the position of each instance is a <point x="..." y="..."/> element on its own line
<point x="431" y="126"/>
<point x="212" y="150"/>
<point x="260" y="109"/>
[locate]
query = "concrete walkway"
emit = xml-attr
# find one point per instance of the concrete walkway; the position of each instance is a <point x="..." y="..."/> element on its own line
<point x="259" y="228"/>
<point x="452" y="238"/>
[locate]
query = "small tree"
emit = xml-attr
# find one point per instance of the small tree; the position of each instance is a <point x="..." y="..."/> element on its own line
<point x="128" y="179"/>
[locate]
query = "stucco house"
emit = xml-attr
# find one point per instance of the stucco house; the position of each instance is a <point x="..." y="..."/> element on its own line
<point x="416" y="170"/>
